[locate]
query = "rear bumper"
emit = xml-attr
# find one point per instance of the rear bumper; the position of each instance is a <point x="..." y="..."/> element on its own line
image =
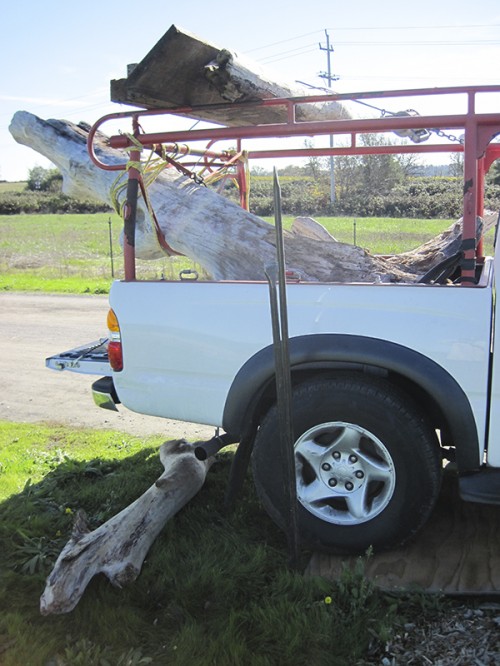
<point x="104" y="393"/>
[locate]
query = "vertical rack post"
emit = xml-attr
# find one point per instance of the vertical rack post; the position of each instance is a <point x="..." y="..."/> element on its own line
<point x="130" y="210"/>
<point x="470" y="194"/>
<point x="276" y="273"/>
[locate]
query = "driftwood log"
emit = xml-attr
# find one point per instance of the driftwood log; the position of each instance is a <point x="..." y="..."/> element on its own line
<point x="118" y="547"/>
<point x="229" y="242"/>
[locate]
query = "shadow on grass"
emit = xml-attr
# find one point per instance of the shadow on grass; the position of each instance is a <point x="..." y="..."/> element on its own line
<point x="214" y="588"/>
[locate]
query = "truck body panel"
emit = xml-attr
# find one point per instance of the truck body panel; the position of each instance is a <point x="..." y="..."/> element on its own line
<point x="193" y="352"/>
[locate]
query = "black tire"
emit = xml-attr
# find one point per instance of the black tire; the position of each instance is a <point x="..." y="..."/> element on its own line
<point x="368" y="464"/>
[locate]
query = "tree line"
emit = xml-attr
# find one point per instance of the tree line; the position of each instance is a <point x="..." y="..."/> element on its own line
<point x="364" y="186"/>
<point x="370" y="186"/>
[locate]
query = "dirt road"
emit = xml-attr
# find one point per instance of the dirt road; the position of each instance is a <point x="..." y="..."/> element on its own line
<point x="34" y="326"/>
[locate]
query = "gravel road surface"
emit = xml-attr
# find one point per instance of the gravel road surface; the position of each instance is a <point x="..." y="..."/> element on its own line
<point x="34" y="326"/>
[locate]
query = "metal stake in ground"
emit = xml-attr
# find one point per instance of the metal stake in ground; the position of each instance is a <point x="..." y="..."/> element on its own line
<point x="276" y="273"/>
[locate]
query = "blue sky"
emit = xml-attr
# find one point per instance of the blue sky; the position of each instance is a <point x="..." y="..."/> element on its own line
<point x="59" y="55"/>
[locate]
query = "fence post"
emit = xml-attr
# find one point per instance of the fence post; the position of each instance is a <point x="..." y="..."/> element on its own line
<point x="111" y="248"/>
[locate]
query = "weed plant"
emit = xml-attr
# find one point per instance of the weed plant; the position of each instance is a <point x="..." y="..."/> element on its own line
<point x="215" y="588"/>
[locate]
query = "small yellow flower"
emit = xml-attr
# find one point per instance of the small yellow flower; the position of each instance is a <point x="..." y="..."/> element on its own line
<point x="58" y="533"/>
<point x="68" y="510"/>
<point x="328" y="600"/>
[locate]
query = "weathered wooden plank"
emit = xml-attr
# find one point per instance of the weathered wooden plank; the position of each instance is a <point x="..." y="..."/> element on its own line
<point x="159" y="82"/>
<point x="456" y="553"/>
<point x="184" y="70"/>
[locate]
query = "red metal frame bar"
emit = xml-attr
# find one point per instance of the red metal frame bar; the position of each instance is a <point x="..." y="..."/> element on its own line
<point x="479" y="130"/>
<point x="130" y="210"/>
<point x="312" y="128"/>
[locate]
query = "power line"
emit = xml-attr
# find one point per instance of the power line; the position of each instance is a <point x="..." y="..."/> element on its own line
<point x="329" y="50"/>
<point x="308" y="48"/>
<point x="428" y="43"/>
<point x="283" y="41"/>
<point x="281" y="53"/>
<point x="287" y="54"/>
<point x="371" y="27"/>
<point x="422" y="27"/>
<point x="473" y="42"/>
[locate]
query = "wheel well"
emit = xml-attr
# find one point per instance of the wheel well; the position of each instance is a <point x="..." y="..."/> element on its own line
<point x="427" y="405"/>
<point x="440" y="397"/>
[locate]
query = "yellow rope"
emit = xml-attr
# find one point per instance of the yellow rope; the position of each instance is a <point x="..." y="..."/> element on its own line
<point x="221" y="173"/>
<point x="117" y="188"/>
<point x="149" y="171"/>
<point x="152" y="167"/>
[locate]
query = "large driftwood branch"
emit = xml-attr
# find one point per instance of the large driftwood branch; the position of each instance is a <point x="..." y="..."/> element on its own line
<point x="118" y="547"/>
<point x="446" y="244"/>
<point x="229" y="242"/>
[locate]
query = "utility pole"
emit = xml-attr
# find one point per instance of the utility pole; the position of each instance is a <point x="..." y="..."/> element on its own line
<point x="329" y="77"/>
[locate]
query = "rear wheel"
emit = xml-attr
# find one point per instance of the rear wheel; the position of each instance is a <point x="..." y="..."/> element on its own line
<point x="368" y="466"/>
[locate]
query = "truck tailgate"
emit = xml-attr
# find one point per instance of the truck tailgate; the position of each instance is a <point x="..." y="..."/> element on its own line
<point x="89" y="359"/>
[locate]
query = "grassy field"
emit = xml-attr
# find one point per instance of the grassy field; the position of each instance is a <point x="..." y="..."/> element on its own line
<point x="73" y="253"/>
<point x="69" y="253"/>
<point x="215" y="588"/>
<point x="7" y="187"/>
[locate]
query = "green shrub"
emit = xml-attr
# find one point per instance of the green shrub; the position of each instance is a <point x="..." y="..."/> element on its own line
<point x="417" y="197"/>
<point x="45" y="202"/>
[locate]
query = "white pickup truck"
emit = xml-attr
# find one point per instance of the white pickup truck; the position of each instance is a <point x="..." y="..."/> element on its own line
<point x="387" y="381"/>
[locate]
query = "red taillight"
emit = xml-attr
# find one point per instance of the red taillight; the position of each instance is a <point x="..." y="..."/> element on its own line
<point x="115" y="355"/>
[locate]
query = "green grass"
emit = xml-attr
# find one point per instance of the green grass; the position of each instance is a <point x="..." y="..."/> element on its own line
<point x="382" y="235"/>
<point x="17" y="186"/>
<point x="215" y="587"/>
<point x="20" y="281"/>
<point x="72" y="253"/>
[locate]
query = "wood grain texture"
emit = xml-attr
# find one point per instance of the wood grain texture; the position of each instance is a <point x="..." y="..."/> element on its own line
<point x="456" y="553"/>
<point x="117" y="548"/>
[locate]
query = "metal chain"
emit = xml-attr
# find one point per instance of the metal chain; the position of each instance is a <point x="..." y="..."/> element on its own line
<point x="186" y="172"/>
<point x="450" y="137"/>
<point x="384" y="113"/>
<point x="435" y="130"/>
